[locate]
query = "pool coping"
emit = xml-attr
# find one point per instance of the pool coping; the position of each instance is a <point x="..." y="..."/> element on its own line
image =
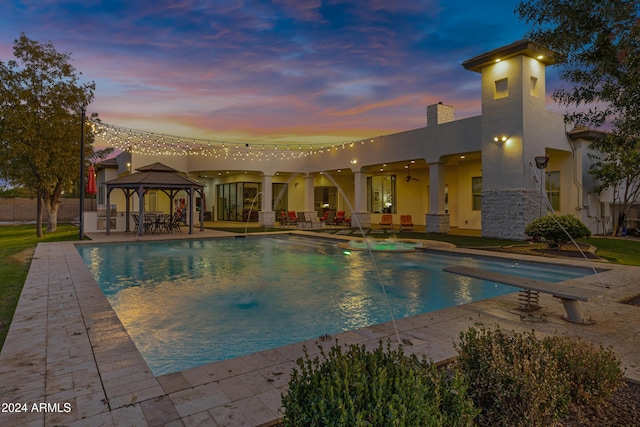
<point x="66" y="346"/>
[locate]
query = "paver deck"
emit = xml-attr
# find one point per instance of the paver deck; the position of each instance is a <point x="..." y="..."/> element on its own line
<point x="68" y="354"/>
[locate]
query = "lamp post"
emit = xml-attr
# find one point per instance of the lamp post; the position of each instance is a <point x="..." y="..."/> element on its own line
<point x="82" y="119"/>
<point x="541" y="163"/>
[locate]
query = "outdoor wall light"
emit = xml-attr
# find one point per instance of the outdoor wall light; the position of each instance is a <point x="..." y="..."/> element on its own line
<point x="500" y="139"/>
<point x="353" y="162"/>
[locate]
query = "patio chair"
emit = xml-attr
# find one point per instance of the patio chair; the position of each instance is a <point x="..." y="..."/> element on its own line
<point x="302" y="219"/>
<point x="292" y="218"/>
<point x="136" y="222"/>
<point x="174" y="224"/>
<point x="330" y="218"/>
<point x="339" y="219"/>
<point x="149" y="222"/>
<point x="406" y="221"/>
<point x="163" y="222"/>
<point x="386" y="221"/>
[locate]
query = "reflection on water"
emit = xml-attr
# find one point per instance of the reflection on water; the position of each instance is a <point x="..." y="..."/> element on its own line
<point x="186" y="303"/>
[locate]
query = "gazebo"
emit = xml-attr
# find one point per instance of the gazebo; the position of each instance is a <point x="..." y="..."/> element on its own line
<point x="155" y="176"/>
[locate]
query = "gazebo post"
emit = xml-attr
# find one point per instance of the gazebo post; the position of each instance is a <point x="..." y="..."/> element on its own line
<point x="191" y="210"/>
<point x="140" y="211"/>
<point x="108" y="232"/>
<point x="128" y="193"/>
<point x="201" y="210"/>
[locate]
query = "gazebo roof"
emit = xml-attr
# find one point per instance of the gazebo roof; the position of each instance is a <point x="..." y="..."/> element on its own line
<point x="154" y="176"/>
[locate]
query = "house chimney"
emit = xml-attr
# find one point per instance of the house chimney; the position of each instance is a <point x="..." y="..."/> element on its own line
<point x="439" y="113"/>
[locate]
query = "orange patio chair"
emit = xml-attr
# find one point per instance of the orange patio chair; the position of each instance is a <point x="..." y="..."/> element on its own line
<point x="406" y="221"/>
<point x="386" y="221"/>
<point x="292" y="218"/>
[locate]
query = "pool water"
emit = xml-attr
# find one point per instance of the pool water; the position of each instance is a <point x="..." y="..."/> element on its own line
<point x="190" y="302"/>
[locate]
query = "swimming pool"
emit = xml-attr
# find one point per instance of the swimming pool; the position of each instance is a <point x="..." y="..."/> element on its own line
<point x="187" y="303"/>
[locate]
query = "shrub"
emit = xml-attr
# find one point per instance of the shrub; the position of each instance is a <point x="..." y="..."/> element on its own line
<point x="557" y="230"/>
<point x="520" y="380"/>
<point x="379" y="388"/>
<point x="593" y="372"/>
<point x="511" y="378"/>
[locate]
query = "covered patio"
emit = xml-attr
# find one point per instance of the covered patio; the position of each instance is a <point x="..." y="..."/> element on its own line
<point x="156" y="176"/>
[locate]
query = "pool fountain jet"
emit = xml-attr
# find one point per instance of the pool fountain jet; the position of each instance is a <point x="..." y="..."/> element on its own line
<point x="373" y="261"/>
<point x="250" y="210"/>
<point x="541" y="162"/>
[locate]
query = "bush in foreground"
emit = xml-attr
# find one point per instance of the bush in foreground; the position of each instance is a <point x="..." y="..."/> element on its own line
<point x="520" y="380"/>
<point x="557" y="230"/>
<point x="593" y="372"/>
<point x="379" y="388"/>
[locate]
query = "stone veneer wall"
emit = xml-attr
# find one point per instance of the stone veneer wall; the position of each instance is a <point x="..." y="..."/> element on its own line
<point x="361" y="219"/>
<point x="438" y="223"/>
<point x="506" y="213"/>
<point x="266" y="218"/>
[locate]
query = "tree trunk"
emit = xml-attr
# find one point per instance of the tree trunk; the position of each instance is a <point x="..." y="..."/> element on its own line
<point x="39" y="213"/>
<point x="52" y="211"/>
<point x="52" y="202"/>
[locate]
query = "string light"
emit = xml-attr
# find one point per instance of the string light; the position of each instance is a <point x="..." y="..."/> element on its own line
<point x="149" y="143"/>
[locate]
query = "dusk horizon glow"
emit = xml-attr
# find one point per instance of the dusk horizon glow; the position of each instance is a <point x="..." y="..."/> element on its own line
<point x="287" y="71"/>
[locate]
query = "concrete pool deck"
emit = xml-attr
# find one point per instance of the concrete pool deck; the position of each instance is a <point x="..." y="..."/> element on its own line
<point x="68" y="360"/>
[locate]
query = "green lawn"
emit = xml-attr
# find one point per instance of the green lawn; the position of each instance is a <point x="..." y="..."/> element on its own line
<point x="618" y="251"/>
<point x="16" y="249"/>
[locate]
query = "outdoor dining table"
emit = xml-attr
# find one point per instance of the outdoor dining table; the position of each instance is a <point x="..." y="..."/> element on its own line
<point x="154" y="222"/>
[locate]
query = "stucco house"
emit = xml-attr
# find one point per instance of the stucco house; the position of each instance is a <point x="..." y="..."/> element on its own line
<point x="494" y="172"/>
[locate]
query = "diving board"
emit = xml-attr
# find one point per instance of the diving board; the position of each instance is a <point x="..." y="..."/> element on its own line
<point x="568" y="294"/>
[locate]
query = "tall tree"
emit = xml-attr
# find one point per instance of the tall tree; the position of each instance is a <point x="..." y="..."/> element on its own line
<point x="40" y="102"/>
<point x="598" y="42"/>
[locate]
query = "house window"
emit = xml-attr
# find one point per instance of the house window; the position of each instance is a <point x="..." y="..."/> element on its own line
<point x="501" y="89"/>
<point x="476" y="193"/>
<point x="533" y="86"/>
<point x="381" y="194"/>
<point x="325" y="199"/>
<point x="553" y="189"/>
<point x="239" y="201"/>
<point x="280" y="196"/>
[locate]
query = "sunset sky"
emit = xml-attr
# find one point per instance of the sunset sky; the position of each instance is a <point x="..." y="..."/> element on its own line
<point x="278" y="71"/>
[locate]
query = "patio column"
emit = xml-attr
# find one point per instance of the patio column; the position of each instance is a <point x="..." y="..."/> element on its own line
<point x="266" y="216"/>
<point x="308" y="193"/>
<point x="360" y="217"/>
<point x="437" y="219"/>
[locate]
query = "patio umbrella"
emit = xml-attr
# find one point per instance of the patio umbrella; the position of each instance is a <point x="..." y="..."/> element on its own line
<point x="92" y="188"/>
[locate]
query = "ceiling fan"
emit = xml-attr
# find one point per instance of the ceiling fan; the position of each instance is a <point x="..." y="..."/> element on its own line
<point x="409" y="178"/>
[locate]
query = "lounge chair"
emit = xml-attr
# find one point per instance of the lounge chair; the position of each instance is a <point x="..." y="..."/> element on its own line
<point x="292" y="218"/>
<point x="386" y="221"/>
<point x="330" y="218"/>
<point x="283" y="218"/>
<point x="406" y="221"/>
<point x="302" y="219"/>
